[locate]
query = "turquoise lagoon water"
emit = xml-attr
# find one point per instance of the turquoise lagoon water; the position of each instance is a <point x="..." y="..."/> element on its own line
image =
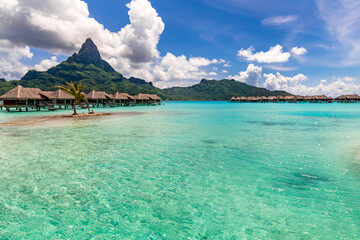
<point x="184" y="170"/>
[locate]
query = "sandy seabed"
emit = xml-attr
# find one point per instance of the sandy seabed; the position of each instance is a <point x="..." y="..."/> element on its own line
<point x="33" y="120"/>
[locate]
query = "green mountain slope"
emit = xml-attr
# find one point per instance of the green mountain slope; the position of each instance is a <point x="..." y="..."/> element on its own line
<point x="218" y="90"/>
<point x="93" y="73"/>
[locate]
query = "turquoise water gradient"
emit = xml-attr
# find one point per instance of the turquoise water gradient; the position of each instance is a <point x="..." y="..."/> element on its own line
<point x="192" y="170"/>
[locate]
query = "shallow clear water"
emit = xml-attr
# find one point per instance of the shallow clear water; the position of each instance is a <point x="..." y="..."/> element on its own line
<point x="193" y="170"/>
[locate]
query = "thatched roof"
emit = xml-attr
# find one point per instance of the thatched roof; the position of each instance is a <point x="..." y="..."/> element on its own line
<point x="348" y="97"/>
<point x="142" y="96"/>
<point x="254" y="99"/>
<point x="233" y="99"/>
<point x="61" y="95"/>
<point x="321" y="97"/>
<point x="22" y="93"/>
<point x="98" y="95"/>
<point x="272" y="98"/>
<point x="309" y="98"/>
<point x="47" y="94"/>
<point x="155" y="97"/>
<point x="289" y="98"/>
<point x="242" y="98"/>
<point x="122" y="96"/>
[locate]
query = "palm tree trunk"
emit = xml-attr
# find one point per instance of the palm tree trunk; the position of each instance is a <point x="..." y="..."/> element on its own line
<point x="75" y="113"/>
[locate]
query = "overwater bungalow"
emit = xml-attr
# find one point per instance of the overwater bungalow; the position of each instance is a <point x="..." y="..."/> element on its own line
<point x="97" y="99"/>
<point x="60" y="98"/>
<point x="348" y="98"/>
<point x="329" y="99"/>
<point x="322" y="99"/>
<point x="23" y="98"/>
<point x="272" y="99"/>
<point x="289" y="99"/>
<point x="309" y="99"/>
<point x="265" y="99"/>
<point x="156" y="100"/>
<point x="299" y="99"/>
<point x="233" y="99"/>
<point x="254" y="99"/>
<point x="123" y="99"/>
<point x="242" y="99"/>
<point x="281" y="99"/>
<point x="143" y="99"/>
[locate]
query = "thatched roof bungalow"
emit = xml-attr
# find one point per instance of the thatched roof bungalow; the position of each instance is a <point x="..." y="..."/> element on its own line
<point x="60" y="97"/>
<point x="23" y="97"/>
<point x="348" y="98"/>
<point x="309" y="98"/>
<point x="243" y="99"/>
<point x="21" y="93"/>
<point x="322" y="98"/>
<point x="289" y="98"/>
<point x="254" y="99"/>
<point x="95" y="97"/>
<point x="123" y="98"/>
<point x="142" y="98"/>
<point x="281" y="98"/>
<point x="155" y="98"/>
<point x="272" y="99"/>
<point x="299" y="98"/>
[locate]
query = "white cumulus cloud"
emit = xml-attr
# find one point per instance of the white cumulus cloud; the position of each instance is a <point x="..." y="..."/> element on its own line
<point x="251" y="76"/>
<point x="280" y="82"/>
<point x="46" y="64"/>
<point x="298" y="51"/>
<point x="173" y="67"/>
<point x="200" y="61"/>
<point x="10" y="56"/>
<point x="294" y="85"/>
<point x="274" y="55"/>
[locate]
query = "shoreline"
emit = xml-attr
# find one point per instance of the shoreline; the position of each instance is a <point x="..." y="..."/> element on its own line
<point x="39" y="119"/>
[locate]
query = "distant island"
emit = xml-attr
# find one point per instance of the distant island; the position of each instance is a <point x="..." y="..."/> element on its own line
<point x="88" y="69"/>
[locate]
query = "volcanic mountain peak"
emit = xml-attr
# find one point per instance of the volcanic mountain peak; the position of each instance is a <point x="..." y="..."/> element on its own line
<point x="89" y="54"/>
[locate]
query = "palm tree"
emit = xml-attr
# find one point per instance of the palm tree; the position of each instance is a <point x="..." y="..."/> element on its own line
<point x="74" y="89"/>
<point x="83" y="99"/>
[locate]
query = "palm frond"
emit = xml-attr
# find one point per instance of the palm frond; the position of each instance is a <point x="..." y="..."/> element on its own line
<point x="67" y="90"/>
<point x="74" y="89"/>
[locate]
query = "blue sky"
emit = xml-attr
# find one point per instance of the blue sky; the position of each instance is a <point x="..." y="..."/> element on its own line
<point x="179" y="42"/>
